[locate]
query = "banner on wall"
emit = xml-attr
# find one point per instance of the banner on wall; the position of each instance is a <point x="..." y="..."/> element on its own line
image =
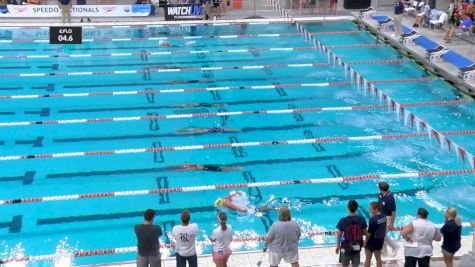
<point x="47" y="11"/>
<point x="184" y="12"/>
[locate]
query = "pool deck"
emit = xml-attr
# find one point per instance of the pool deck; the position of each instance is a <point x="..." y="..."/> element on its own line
<point x="313" y="256"/>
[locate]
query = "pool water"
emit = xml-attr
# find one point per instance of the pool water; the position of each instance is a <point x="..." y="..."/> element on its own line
<point x="96" y="67"/>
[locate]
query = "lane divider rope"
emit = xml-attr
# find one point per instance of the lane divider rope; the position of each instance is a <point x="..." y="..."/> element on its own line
<point x="177" y="69"/>
<point x="183" y="52"/>
<point x="202" y="188"/>
<point x="164" y="38"/>
<point x="240" y="144"/>
<point x="200" y="89"/>
<point x="231" y="113"/>
<point x="122" y="250"/>
<point x="147" y="53"/>
<point x="213" y="23"/>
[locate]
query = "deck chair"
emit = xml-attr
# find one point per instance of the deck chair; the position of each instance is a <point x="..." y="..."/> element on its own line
<point x="435" y="54"/>
<point x="467" y="73"/>
<point x="416" y="6"/>
<point x="440" y="22"/>
<point x="367" y="13"/>
<point x="408" y="38"/>
<point x="466" y="66"/>
<point x="385" y="25"/>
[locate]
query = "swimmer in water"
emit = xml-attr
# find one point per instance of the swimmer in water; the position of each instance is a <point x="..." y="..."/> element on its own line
<point x="199" y="130"/>
<point x="164" y="43"/>
<point x="198" y="167"/>
<point x="235" y="201"/>
<point x="194" y="105"/>
<point x="273" y="204"/>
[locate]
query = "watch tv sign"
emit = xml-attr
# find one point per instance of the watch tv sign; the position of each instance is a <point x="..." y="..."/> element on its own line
<point x="184" y="12"/>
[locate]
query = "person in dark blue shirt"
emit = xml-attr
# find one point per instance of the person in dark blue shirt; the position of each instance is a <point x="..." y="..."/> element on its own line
<point x="375" y="235"/>
<point x="388" y="209"/>
<point x="350" y="253"/>
<point x="398" y="11"/>
<point x="452" y="232"/>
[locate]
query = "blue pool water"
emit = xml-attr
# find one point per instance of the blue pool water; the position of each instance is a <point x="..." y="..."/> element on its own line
<point x="100" y="223"/>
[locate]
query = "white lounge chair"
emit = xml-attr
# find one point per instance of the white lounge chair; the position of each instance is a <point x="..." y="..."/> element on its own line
<point x="408" y="38"/>
<point x="436" y="54"/>
<point x="367" y="13"/>
<point x="385" y="25"/>
<point x="416" y="5"/>
<point x="440" y="22"/>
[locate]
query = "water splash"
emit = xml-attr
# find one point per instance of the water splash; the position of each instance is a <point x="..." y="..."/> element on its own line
<point x="308" y="227"/>
<point x="64" y="255"/>
<point x="424" y="196"/>
<point x="247" y="245"/>
<point x="16" y="252"/>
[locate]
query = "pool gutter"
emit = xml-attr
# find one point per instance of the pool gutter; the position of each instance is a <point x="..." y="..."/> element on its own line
<point x="459" y="83"/>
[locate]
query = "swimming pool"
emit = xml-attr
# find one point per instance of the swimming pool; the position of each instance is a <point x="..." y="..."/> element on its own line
<point x="103" y="117"/>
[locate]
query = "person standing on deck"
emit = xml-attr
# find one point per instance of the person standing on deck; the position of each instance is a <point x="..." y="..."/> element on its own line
<point x="65" y="6"/>
<point x="388" y="208"/>
<point x="148" y="246"/>
<point x="398" y="11"/>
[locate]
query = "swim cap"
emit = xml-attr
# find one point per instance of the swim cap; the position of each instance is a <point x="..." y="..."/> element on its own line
<point x="218" y="202"/>
<point x="160" y="42"/>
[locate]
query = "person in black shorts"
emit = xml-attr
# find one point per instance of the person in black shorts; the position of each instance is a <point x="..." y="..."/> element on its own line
<point x="350" y="236"/>
<point x="375" y="235"/>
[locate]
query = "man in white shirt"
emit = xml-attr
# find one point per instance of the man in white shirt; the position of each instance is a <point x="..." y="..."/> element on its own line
<point x="185" y="238"/>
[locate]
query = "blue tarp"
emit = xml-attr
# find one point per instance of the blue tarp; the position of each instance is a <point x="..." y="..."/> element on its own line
<point x="457" y="60"/>
<point x="426" y="43"/>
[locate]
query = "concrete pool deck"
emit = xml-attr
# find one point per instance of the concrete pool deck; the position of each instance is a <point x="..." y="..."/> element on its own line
<point x="312" y="256"/>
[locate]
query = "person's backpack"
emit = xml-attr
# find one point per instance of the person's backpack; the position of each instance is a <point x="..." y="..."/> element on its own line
<point x="353" y="235"/>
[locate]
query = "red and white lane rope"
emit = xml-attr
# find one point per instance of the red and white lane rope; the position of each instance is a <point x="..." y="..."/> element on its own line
<point x="183" y="52"/>
<point x="203" y="188"/>
<point x="122" y="250"/>
<point x="230" y="113"/>
<point x="177" y="69"/>
<point x="152" y="25"/>
<point x="370" y="89"/>
<point x="160" y="53"/>
<point x="467" y="156"/>
<point x="167" y="38"/>
<point x="355" y="46"/>
<point x="187" y="90"/>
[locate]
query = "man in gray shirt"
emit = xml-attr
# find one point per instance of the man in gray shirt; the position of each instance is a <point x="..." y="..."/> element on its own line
<point x="148" y="246"/>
